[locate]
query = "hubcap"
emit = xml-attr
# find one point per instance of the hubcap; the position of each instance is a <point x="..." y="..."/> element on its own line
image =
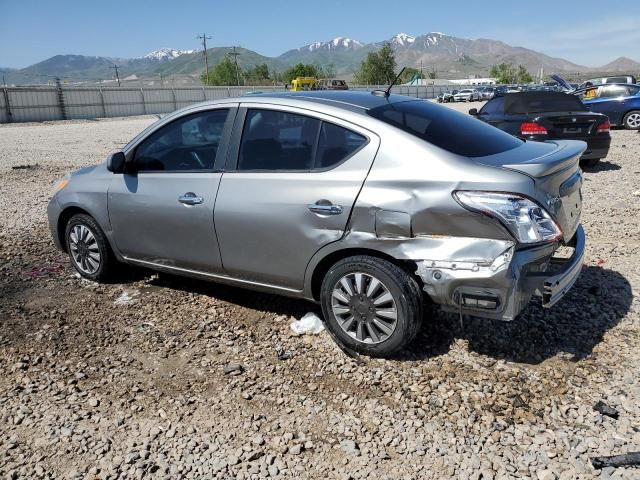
<point x="364" y="308"/>
<point x="84" y="249"/>
<point x="634" y="120"/>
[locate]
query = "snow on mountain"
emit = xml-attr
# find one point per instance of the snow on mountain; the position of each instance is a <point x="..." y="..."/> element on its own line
<point x="433" y="38"/>
<point x="166" y="54"/>
<point x="338" y="43"/>
<point x="402" y="40"/>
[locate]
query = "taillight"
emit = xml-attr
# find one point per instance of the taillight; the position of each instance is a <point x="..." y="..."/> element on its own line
<point x="604" y="127"/>
<point x="532" y="128"/>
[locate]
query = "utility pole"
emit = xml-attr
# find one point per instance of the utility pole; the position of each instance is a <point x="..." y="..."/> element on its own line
<point x="115" y="67"/>
<point x="235" y="54"/>
<point x="204" y="39"/>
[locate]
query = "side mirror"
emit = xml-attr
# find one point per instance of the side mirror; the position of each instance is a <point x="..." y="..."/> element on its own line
<point x="115" y="162"/>
<point x="473" y="111"/>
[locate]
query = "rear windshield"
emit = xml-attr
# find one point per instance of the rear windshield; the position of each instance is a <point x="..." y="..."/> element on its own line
<point x="443" y="127"/>
<point x="540" y="102"/>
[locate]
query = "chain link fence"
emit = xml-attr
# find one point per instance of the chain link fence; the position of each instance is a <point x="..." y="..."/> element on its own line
<point x="39" y="104"/>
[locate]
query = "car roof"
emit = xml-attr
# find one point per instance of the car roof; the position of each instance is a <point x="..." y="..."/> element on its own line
<point x="348" y="99"/>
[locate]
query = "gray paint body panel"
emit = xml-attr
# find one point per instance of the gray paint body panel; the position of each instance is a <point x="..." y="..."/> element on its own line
<point x="255" y="229"/>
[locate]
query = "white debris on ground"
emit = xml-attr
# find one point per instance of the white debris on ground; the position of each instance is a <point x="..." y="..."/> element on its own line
<point x="126" y="297"/>
<point x="310" y="324"/>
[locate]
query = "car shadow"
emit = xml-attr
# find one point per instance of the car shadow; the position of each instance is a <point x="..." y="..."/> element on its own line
<point x="596" y="303"/>
<point x="602" y="166"/>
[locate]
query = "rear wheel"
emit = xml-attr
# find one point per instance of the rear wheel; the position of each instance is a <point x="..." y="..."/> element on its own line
<point x="371" y="305"/>
<point x="631" y="120"/>
<point x="88" y="248"/>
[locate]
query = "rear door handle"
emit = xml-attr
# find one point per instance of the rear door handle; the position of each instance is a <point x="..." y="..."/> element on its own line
<point x="325" y="208"/>
<point x="190" y="198"/>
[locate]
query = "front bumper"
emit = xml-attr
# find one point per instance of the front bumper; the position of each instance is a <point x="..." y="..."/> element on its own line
<point x="503" y="289"/>
<point x="53" y="214"/>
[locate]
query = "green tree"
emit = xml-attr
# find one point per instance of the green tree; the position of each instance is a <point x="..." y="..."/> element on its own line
<point x="258" y="74"/>
<point x="224" y="73"/>
<point x="300" y="70"/>
<point x="523" y="75"/>
<point x="378" y="68"/>
<point x="507" y="73"/>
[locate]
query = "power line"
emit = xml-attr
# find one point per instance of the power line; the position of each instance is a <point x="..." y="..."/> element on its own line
<point x="235" y="54"/>
<point x="204" y="39"/>
<point x="115" y="67"/>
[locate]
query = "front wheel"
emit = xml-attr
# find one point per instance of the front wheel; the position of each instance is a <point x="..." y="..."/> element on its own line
<point x="88" y="248"/>
<point x="631" y="120"/>
<point x="371" y="305"/>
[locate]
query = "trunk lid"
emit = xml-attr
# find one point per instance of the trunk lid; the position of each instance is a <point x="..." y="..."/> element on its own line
<point x="570" y="125"/>
<point x="554" y="169"/>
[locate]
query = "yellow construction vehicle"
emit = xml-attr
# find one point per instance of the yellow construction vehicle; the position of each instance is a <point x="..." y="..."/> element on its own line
<point x="304" y="83"/>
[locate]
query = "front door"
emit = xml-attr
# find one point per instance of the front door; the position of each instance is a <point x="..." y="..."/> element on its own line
<point x="290" y="193"/>
<point x="161" y="211"/>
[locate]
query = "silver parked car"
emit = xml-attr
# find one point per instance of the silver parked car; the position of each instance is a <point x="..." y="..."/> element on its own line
<point x="467" y="95"/>
<point x="369" y="204"/>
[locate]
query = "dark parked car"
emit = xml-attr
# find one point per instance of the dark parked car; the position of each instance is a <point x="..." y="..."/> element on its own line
<point x="621" y="103"/>
<point x="544" y="116"/>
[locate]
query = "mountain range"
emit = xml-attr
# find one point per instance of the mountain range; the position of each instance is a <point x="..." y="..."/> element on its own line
<point x="446" y="56"/>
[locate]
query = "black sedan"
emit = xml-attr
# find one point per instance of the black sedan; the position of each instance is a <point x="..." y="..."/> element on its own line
<point x="544" y="116"/>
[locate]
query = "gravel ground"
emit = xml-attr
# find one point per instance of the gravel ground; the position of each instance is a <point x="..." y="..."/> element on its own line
<point x="128" y="380"/>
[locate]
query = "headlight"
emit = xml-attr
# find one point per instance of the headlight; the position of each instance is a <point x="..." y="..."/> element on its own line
<point x="61" y="183"/>
<point x="527" y="221"/>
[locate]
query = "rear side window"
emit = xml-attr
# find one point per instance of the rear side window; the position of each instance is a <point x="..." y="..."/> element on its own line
<point x="443" y="127"/>
<point x="336" y="144"/>
<point x="274" y="141"/>
<point x="541" y="102"/>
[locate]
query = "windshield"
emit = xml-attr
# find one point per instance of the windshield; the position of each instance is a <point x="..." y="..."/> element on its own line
<point x="445" y="128"/>
<point x="541" y="102"/>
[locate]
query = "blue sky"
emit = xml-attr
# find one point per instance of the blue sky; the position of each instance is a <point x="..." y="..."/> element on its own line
<point x="586" y="32"/>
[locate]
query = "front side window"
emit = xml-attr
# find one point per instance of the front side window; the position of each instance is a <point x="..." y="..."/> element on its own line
<point x="613" y="91"/>
<point x="494" y="106"/>
<point x="187" y="144"/>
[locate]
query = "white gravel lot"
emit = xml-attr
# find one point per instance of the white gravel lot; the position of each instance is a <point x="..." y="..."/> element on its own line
<point x="126" y="380"/>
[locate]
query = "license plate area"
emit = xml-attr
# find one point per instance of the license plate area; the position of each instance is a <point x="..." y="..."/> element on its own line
<point x="572" y="130"/>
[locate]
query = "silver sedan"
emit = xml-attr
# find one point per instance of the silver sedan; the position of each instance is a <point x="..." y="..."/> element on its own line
<point x="368" y="204"/>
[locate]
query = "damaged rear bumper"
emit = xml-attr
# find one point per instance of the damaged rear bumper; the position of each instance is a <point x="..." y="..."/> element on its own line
<point x="501" y="289"/>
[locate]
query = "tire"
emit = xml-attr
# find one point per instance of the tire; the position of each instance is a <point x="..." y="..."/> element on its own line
<point x="590" y="162"/>
<point x="631" y="120"/>
<point x="88" y="248"/>
<point x="355" y="321"/>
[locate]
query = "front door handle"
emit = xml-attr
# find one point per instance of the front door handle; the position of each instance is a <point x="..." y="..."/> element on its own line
<point x="324" y="207"/>
<point x="190" y="198"/>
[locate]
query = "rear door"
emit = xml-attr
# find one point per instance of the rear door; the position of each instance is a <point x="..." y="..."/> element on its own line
<point x="293" y="179"/>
